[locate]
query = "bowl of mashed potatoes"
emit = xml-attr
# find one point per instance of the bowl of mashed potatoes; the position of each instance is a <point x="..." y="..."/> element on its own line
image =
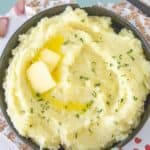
<point x="76" y="79"/>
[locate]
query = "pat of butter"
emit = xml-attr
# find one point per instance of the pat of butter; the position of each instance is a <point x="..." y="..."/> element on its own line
<point x="40" y="78"/>
<point x="50" y="58"/>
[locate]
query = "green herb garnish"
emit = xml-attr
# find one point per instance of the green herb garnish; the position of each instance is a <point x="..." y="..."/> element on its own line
<point x="30" y="125"/>
<point x="110" y="64"/>
<point x="129" y="54"/>
<point x="84" y="78"/>
<point x="66" y="107"/>
<point x="135" y="98"/>
<point x="93" y="62"/>
<point x="38" y="94"/>
<point x="93" y="70"/>
<point x="123" y="75"/>
<point x="120" y="56"/>
<point x="75" y="35"/>
<point x="31" y="110"/>
<point x="132" y="58"/>
<point x="99" y="111"/>
<point x="76" y="135"/>
<point x="97" y="84"/>
<point x="121" y="100"/>
<point x="84" y="109"/>
<point x="94" y="94"/>
<point x="130" y="51"/>
<point x="82" y="20"/>
<point x="77" y="115"/>
<point x="90" y="130"/>
<point x="113" y="57"/>
<point x="118" y="62"/>
<point x="123" y="65"/>
<point x="81" y="39"/>
<point x="115" y="122"/>
<point x="40" y="99"/>
<point x="90" y="103"/>
<point x="108" y="103"/>
<point x="66" y="42"/>
<point x="42" y="111"/>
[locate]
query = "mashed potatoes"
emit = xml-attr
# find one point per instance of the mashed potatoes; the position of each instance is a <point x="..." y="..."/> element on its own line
<point x="73" y="81"/>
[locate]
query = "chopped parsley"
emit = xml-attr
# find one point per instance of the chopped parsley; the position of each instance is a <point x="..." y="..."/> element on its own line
<point x="115" y="122"/>
<point x="118" y="62"/>
<point x="99" y="111"/>
<point x="110" y="64"/>
<point x="48" y="120"/>
<point x="22" y="111"/>
<point x="60" y="123"/>
<point x="116" y="110"/>
<point x="30" y="125"/>
<point x="98" y="117"/>
<point x="75" y="35"/>
<point x="82" y="20"/>
<point x="123" y="65"/>
<point x="90" y="103"/>
<point x="38" y="94"/>
<point x="132" y="58"/>
<point x="135" y="98"/>
<point x="94" y="94"/>
<point x="66" y="42"/>
<point x="77" y="115"/>
<point x="120" y="56"/>
<point x="97" y="84"/>
<point x="76" y="135"/>
<point x="53" y="96"/>
<point x="42" y="111"/>
<point x="93" y="62"/>
<point x="129" y="54"/>
<point x="108" y="103"/>
<point x="93" y="70"/>
<point x="130" y="51"/>
<point x="84" y="109"/>
<point x="123" y="75"/>
<point x="121" y="100"/>
<point x="40" y="99"/>
<point x="97" y="41"/>
<point x="31" y="110"/>
<point x="81" y="39"/>
<point x="66" y="107"/>
<point x="90" y="130"/>
<point x="84" y="78"/>
<point x="113" y="57"/>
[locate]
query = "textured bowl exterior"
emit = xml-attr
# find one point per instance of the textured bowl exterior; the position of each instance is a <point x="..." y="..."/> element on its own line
<point x="117" y="23"/>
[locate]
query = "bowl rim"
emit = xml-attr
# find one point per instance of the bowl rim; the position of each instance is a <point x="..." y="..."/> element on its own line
<point x="36" y="18"/>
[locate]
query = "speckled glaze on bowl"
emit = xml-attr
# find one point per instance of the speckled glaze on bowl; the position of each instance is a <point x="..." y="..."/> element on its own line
<point x="117" y="23"/>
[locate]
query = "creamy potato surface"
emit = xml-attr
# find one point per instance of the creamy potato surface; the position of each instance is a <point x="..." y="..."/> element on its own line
<point x="74" y="81"/>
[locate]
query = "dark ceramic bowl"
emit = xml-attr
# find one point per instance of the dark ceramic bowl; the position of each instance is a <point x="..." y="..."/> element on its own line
<point x="117" y="23"/>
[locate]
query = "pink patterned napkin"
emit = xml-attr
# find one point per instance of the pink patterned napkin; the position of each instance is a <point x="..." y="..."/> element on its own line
<point x="24" y="10"/>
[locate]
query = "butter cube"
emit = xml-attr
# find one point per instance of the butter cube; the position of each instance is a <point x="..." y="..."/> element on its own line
<point x="40" y="78"/>
<point x="50" y="58"/>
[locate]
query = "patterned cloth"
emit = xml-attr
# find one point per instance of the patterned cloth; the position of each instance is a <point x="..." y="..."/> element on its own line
<point x="24" y="10"/>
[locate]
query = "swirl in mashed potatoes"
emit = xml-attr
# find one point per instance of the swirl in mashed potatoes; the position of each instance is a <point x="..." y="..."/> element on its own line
<point x="74" y="81"/>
